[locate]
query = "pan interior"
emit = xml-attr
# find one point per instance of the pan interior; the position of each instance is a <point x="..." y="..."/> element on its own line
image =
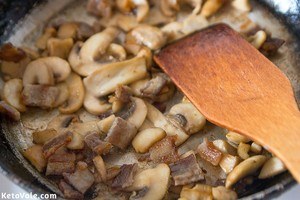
<point x="26" y="32"/>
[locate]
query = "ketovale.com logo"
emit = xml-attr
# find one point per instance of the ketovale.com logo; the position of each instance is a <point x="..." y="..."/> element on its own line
<point x="30" y="195"/>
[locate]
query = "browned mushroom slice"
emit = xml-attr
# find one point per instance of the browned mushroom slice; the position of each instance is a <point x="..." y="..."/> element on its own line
<point x="68" y="191"/>
<point x="50" y="147"/>
<point x="154" y="86"/>
<point x="112" y="172"/>
<point x="60" y="162"/>
<point x="121" y="133"/>
<point x="186" y="171"/>
<point x="35" y="156"/>
<point x="59" y="47"/>
<point x="209" y="152"/>
<point x="164" y="150"/>
<point x="41" y="137"/>
<point x="82" y="179"/>
<point x="93" y="141"/>
<point x="100" y="8"/>
<point x="40" y="95"/>
<point x="10" y="53"/>
<point x="62" y="121"/>
<point x="75" y="30"/>
<point x="125" y="178"/>
<point x="9" y="111"/>
<point x="271" y="45"/>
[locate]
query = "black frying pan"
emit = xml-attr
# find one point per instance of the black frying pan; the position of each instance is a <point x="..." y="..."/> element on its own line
<point x="12" y="11"/>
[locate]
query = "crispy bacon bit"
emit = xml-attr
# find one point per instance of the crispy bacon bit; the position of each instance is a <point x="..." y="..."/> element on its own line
<point x="82" y="179"/>
<point x="271" y="45"/>
<point x="209" y="152"/>
<point x="11" y="54"/>
<point x="50" y="147"/>
<point x="186" y="171"/>
<point x="100" y="8"/>
<point x="112" y="172"/>
<point x="60" y="162"/>
<point x="100" y="147"/>
<point x="68" y="191"/>
<point x="154" y="86"/>
<point x="164" y="150"/>
<point x="125" y="178"/>
<point x="9" y="111"/>
<point x="121" y="133"/>
<point x="123" y="93"/>
<point x="40" y="95"/>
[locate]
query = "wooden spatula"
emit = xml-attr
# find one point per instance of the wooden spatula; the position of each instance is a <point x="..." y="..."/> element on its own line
<point x="234" y="86"/>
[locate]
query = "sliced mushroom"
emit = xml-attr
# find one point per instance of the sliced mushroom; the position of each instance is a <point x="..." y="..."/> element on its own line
<point x="210" y="7"/>
<point x="195" y="121"/>
<point x="40" y="96"/>
<point x="236" y="138"/>
<point x="124" y="6"/>
<point x="139" y="115"/>
<point x="46" y="71"/>
<point x="9" y="111"/>
<point x="242" y="5"/>
<point x="41" y="42"/>
<point x="14" y="69"/>
<point x="12" y="94"/>
<point x="222" y="193"/>
<point x="229" y="162"/>
<point x="94" y="105"/>
<point x="243" y="150"/>
<point x="196" y="4"/>
<point x="117" y="51"/>
<point x="173" y="30"/>
<point x="245" y="168"/>
<point x="127" y="22"/>
<point x="77" y="141"/>
<point x="31" y="53"/>
<point x="199" y="191"/>
<point x="255" y="148"/>
<point x="193" y="23"/>
<point x="100" y="166"/>
<point x="105" y="124"/>
<point x="76" y="94"/>
<point x="272" y="167"/>
<point x="155" y="181"/>
<point x="105" y="80"/>
<point x="147" y="54"/>
<point x="63" y="94"/>
<point x="146" y="138"/>
<point x="41" y="137"/>
<point x="35" y="156"/>
<point x="146" y="124"/>
<point x="62" y="121"/>
<point x="225" y="147"/>
<point x="100" y="8"/>
<point x="149" y="36"/>
<point x="142" y="9"/>
<point x="160" y="121"/>
<point x="157" y="18"/>
<point x="169" y="7"/>
<point x="59" y="47"/>
<point x="75" y="30"/>
<point x="137" y="86"/>
<point x="258" y="39"/>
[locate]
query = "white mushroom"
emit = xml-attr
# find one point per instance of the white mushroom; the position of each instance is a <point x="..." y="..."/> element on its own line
<point x="243" y="150"/>
<point x="117" y="51"/>
<point x="94" y="105"/>
<point x="146" y="124"/>
<point x="199" y="191"/>
<point x="157" y="18"/>
<point x="139" y="115"/>
<point x="222" y="193"/>
<point x="41" y="137"/>
<point x="137" y="86"/>
<point x="41" y="42"/>
<point x="160" y="121"/>
<point x="105" y="80"/>
<point x="229" y="162"/>
<point x="196" y="4"/>
<point x="100" y="166"/>
<point x="46" y="71"/>
<point x="124" y="6"/>
<point x="155" y="181"/>
<point x="272" y="167"/>
<point x="224" y="147"/>
<point x="76" y="94"/>
<point x="12" y="94"/>
<point x="126" y="22"/>
<point x="210" y="7"/>
<point x="149" y="36"/>
<point x="77" y="141"/>
<point x="236" y="138"/>
<point x="193" y="23"/>
<point x="169" y="7"/>
<point x="173" y="30"/>
<point x="194" y="121"/>
<point x="255" y="148"/>
<point x="146" y="138"/>
<point x="105" y="124"/>
<point x="242" y="5"/>
<point x="11" y="69"/>
<point x="258" y="39"/>
<point x="63" y="94"/>
<point x="59" y="47"/>
<point x="245" y="168"/>
<point x="142" y="9"/>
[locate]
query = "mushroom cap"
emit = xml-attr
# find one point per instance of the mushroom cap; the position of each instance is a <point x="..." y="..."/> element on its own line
<point x="12" y="94"/>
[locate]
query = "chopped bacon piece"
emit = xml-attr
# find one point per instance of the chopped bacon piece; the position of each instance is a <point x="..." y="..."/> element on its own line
<point x="123" y="93"/>
<point x="82" y="179"/>
<point x="112" y="172"/>
<point x="186" y="171"/>
<point x="100" y="147"/>
<point x="121" y="133"/>
<point x="61" y="161"/>
<point x="209" y="152"/>
<point x="68" y="191"/>
<point x="50" y="147"/>
<point x="271" y="45"/>
<point x="164" y="150"/>
<point x="125" y="178"/>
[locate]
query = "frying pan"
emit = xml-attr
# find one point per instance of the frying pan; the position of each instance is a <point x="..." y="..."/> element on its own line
<point x="14" y="12"/>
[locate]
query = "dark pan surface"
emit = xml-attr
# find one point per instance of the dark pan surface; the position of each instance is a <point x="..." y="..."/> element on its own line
<point x="11" y="11"/>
